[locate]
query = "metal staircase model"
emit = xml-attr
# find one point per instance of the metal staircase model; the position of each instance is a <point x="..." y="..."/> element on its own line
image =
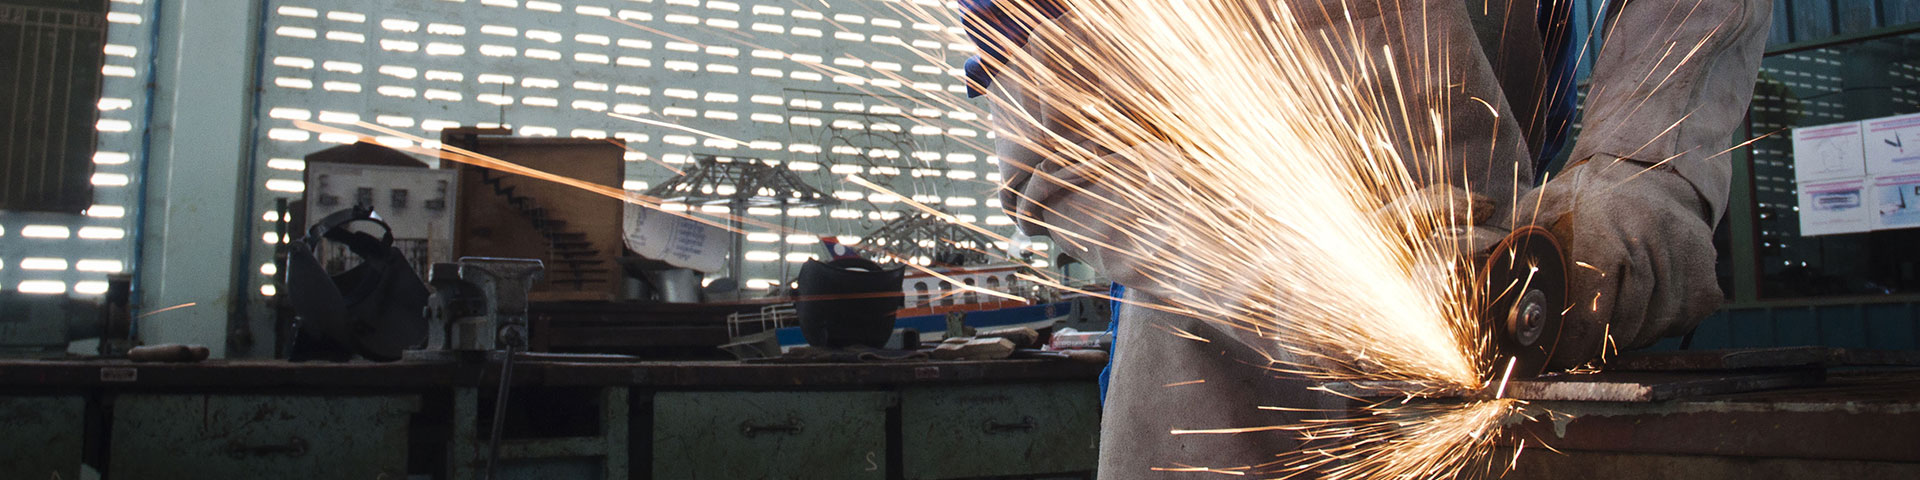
<point x="571" y="258"/>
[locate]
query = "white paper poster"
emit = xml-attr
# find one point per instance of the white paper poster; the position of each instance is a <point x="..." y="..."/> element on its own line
<point x="676" y="240"/>
<point x="1893" y="144"/>
<point x="1836" y="206"/>
<point x="1896" y="200"/>
<point x="1828" y="152"/>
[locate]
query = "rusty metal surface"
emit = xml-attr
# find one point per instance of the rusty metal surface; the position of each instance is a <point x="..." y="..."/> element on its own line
<point x="1619" y="386"/>
<point x="415" y="374"/>
<point x="1654" y="387"/>
<point x="1856" y="416"/>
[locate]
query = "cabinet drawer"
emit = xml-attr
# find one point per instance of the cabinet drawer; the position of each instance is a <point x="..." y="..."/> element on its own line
<point x="43" y="436"/>
<point x="770" y="435"/>
<point x="999" y="430"/>
<point x="261" y="436"/>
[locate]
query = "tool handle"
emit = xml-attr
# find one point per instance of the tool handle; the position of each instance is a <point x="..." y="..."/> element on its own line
<point x="295" y="447"/>
<point x="1025" y="424"/>
<point x="169" y="352"/>
<point x="750" y="429"/>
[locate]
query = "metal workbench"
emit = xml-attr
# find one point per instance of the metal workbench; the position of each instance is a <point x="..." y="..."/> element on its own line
<point x="529" y="370"/>
<point x="916" y="420"/>
<point x="567" y="419"/>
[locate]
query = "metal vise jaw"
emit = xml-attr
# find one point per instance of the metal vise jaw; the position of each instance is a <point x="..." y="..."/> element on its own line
<point x="480" y="303"/>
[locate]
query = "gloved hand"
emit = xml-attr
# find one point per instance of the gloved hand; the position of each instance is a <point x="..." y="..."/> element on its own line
<point x="1448" y="214"/>
<point x="1642" y="253"/>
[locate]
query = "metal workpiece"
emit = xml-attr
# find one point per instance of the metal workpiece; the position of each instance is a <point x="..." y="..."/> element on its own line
<point x="1858" y="421"/>
<point x="1641" y="377"/>
<point x="1630" y="387"/>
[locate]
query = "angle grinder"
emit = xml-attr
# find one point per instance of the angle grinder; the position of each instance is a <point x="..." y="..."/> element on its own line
<point x="1525" y="301"/>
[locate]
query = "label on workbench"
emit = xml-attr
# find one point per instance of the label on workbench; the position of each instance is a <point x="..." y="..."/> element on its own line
<point x="119" y="374"/>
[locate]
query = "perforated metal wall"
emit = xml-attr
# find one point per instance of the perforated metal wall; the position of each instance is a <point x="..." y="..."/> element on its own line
<point x="834" y="88"/>
<point x="54" y="254"/>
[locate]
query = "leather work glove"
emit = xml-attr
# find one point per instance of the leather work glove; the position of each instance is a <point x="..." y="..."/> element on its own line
<point x="1456" y="216"/>
<point x="1642" y="254"/>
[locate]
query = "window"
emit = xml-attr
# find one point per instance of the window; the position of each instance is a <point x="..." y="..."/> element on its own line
<point x="48" y="105"/>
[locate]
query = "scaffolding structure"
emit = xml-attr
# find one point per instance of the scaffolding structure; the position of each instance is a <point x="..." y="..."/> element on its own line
<point x="739" y="184"/>
<point x="930" y="240"/>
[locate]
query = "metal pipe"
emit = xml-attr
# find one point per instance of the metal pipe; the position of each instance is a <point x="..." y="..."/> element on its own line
<point x="499" y="411"/>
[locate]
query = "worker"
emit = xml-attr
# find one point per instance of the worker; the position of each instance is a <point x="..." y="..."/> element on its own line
<point x="1647" y="181"/>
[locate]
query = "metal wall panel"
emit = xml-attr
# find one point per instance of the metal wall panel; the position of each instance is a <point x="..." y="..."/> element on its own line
<point x="47" y="98"/>
<point x="44" y="253"/>
<point x="835" y="88"/>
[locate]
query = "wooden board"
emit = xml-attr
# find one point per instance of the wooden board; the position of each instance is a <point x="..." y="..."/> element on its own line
<point x="575" y="232"/>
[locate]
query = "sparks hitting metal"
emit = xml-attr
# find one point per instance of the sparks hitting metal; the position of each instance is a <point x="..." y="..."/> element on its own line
<point x="1251" y="192"/>
<point x="1254" y="193"/>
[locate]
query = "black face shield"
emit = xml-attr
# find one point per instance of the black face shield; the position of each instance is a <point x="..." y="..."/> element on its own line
<point x="375" y="309"/>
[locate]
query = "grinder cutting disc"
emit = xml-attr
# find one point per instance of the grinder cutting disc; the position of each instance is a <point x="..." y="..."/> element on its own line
<point x="1526" y="280"/>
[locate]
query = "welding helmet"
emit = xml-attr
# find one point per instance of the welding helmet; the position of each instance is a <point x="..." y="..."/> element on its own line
<point x="375" y="309"/>
<point x="847" y="302"/>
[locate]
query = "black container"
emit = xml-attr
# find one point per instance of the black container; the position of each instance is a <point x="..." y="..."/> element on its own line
<point x="848" y="302"/>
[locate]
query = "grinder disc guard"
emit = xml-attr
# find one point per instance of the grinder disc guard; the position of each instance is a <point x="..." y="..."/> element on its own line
<point x="1525" y="300"/>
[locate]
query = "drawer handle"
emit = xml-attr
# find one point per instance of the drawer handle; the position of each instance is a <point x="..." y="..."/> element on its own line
<point x="294" y="448"/>
<point x="1026" y="424"/>
<point x="750" y="429"/>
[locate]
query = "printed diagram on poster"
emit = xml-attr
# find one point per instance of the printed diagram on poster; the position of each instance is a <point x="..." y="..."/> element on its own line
<point x="1892" y="144"/>
<point x="1897" y="199"/>
<point x="1834" y="206"/>
<point x="1828" y="152"/>
<point x="676" y="240"/>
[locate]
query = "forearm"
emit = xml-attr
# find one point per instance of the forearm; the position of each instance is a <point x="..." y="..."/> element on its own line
<point x="1671" y="87"/>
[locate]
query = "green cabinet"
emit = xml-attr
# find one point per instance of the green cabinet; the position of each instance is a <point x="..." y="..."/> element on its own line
<point x="999" y="430"/>
<point x="159" y="437"/>
<point x="770" y="435"/>
<point x="43" y="436"/>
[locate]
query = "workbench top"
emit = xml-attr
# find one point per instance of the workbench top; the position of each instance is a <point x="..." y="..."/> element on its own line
<point x="542" y="372"/>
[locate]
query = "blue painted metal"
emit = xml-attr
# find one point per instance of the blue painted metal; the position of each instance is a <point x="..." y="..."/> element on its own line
<point x="195" y="170"/>
<point x="1888" y="326"/>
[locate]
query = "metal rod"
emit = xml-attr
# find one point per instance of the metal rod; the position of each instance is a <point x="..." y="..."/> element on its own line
<point x="499" y="411"/>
